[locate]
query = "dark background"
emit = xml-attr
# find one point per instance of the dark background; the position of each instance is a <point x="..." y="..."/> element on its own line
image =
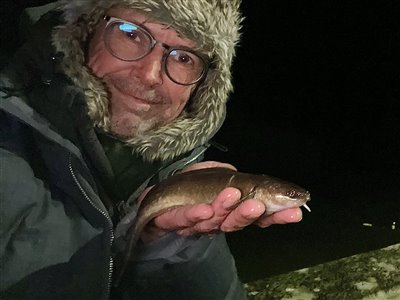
<point x="316" y="101"/>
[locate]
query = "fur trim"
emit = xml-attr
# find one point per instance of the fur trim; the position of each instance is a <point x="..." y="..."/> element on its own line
<point x="215" y="24"/>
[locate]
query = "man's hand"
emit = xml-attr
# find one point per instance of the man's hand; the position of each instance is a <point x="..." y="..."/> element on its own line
<point x="221" y="215"/>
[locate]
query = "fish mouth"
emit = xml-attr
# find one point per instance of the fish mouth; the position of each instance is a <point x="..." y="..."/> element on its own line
<point x="296" y="202"/>
<point x="279" y="208"/>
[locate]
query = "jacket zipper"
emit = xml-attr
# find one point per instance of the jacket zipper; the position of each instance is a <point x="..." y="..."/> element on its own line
<point x="111" y="262"/>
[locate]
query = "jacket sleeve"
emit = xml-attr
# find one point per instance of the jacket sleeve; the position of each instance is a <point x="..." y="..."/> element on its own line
<point x="203" y="269"/>
<point x="31" y="221"/>
<point x="20" y="216"/>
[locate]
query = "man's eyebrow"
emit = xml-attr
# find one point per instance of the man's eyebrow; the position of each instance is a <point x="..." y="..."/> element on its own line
<point x="147" y="19"/>
<point x="167" y="26"/>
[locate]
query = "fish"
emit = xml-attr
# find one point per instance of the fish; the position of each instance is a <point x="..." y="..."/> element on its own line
<point x="203" y="185"/>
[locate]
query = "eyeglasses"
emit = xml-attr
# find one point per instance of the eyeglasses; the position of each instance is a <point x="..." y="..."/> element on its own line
<point x="129" y="42"/>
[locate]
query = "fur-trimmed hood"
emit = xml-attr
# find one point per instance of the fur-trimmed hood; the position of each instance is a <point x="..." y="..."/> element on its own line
<point x="214" y="24"/>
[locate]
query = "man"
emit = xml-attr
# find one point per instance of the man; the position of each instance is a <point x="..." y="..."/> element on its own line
<point x="104" y="100"/>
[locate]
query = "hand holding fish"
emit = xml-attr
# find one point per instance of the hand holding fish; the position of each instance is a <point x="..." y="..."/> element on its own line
<point x="225" y="213"/>
<point x="211" y="197"/>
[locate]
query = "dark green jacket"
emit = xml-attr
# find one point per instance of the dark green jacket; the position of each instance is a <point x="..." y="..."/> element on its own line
<point x="57" y="219"/>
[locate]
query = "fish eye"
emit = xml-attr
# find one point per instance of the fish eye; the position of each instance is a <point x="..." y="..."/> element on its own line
<point x="291" y="194"/>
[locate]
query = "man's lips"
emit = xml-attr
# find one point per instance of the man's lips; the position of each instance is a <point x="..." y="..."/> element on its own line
<point x="137" y="98"/>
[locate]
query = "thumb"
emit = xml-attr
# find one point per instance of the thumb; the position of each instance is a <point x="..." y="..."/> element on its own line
<point x="208" y="164"/>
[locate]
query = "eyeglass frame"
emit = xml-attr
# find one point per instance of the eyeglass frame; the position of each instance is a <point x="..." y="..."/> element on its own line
<point x="154" y="42"/>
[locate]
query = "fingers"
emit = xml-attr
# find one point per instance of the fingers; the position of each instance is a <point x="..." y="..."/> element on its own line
<point x="249" y="212"/>
<point x="222" y="206"/>
<point x="183" y="217"/>
<point x="223" y="215"/>
<point x="175" y="220"/>
<point x="290" y="215"/>
<point x="143" y="194"/>
<point x="245" y="214"/>
<point x="208" y="164"/>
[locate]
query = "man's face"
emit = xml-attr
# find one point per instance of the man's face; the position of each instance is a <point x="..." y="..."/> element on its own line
<point x="142" y="96"/>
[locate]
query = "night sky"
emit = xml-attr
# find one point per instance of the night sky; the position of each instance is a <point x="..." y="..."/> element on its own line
<point x="316" y="101"/>
<point x="323" y="71"/>
<point x="316" y="93"/>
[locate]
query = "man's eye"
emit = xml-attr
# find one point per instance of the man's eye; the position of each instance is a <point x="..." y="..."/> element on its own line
<point x="185" y="59"/>
<point x="291" y="194"/>
<point x="133" y="35"/>
<point x="130" y="31"/>
<point x="182" y="58"/>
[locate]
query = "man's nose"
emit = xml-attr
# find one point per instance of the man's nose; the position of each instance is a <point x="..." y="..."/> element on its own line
<point x="149" y="68"/>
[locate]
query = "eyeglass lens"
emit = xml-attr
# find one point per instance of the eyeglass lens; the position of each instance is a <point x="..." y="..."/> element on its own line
<point x="130" y="42"/>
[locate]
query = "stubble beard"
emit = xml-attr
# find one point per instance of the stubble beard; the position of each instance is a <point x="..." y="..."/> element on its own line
<point x="128" y="120"/>
<point x="125" y="129"/>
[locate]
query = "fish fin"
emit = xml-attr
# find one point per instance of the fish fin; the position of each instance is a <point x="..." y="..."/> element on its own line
<point x="250" y="195"/>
